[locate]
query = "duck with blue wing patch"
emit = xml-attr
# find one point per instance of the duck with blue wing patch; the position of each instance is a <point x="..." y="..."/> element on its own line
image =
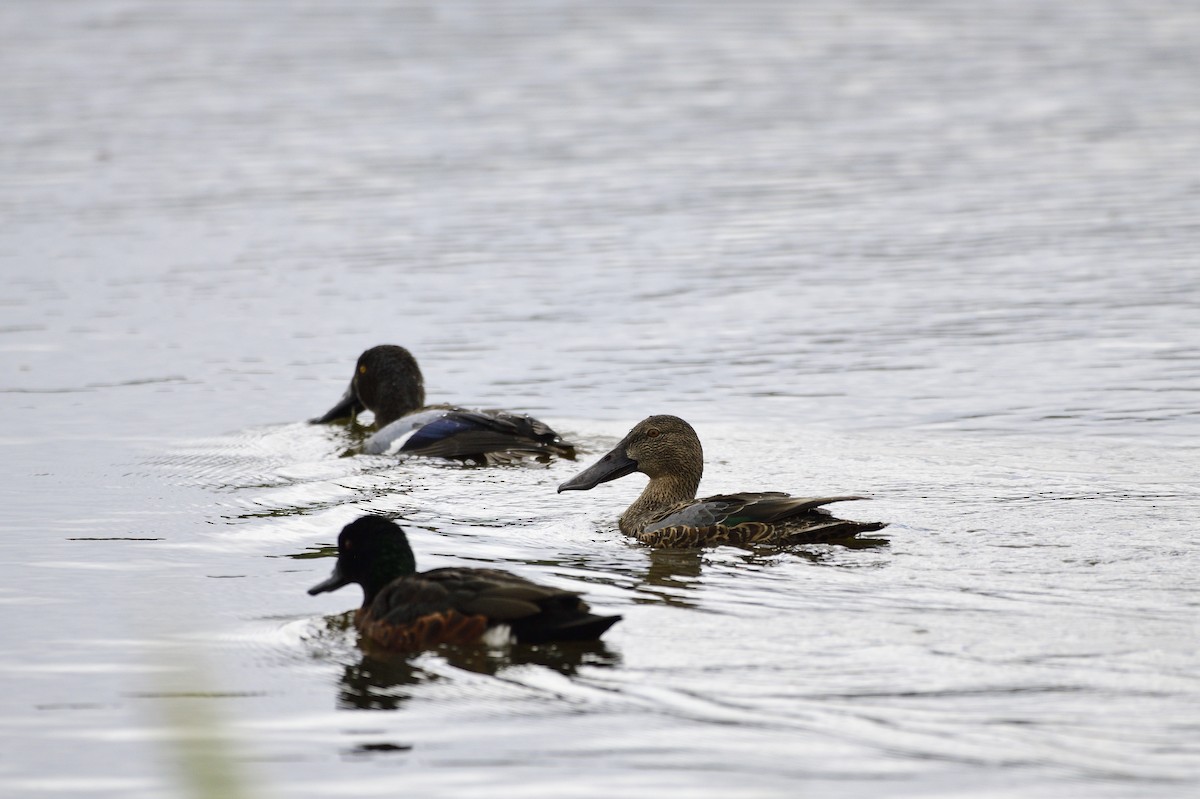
<point x="667" y="514"/>
<point x="388" y="382"/>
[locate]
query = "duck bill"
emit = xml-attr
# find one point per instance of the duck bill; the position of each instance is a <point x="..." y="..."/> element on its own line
<point x="335" y="581"/>
<point x="347" y="408"/>
<point x="613" y="465"/>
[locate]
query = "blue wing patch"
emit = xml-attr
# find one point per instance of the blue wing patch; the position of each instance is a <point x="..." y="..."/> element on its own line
<point x="437" y="431"/>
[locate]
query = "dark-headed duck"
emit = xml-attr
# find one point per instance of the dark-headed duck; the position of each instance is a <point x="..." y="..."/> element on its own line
<point x="388" y="382"/>
<point x="406" y="610"/>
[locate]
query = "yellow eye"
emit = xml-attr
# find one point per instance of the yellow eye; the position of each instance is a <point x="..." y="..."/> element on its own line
<point x="362" y="370"/>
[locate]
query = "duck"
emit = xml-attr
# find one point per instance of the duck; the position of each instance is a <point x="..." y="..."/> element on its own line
<point x="667" y="514"/>
<point x="404" y="610"/>
<point x="388" y="382"/>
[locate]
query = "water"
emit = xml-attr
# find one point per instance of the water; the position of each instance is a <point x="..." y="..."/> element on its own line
<point x="944" y="255"/>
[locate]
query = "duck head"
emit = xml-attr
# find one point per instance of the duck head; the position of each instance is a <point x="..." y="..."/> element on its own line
<point x="372" y="551"/>
<point x="386" y="381"/>
<point x="658" y="447"/>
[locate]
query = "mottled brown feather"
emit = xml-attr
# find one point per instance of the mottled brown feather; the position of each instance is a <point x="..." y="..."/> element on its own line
<point x="667" y="513"/>
<point x="748" y="533"/>
<point x="447" y="627"/>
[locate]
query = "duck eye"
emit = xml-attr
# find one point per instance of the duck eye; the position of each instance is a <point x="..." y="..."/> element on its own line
<point x="362" y="370"/>
<point x="652" y="434"/>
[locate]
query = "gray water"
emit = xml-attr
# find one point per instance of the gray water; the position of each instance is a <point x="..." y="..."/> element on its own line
<point x="941" y="253"/>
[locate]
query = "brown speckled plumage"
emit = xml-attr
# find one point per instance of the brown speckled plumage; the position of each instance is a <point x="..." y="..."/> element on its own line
<point x="748" y="533"/>
<point x="667" y="513"/>
<point x="430" y="630"/>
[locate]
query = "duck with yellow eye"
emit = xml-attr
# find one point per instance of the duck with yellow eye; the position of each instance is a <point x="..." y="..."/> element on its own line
<point x="667" y="514"/>
<point x="388" y="382"/>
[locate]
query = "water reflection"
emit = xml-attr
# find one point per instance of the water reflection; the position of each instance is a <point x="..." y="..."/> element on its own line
<point x="673" y="571"/>
<point x="379" y="747"/>
<point x="317" y="551"/>
<point x="379" y="683"/>
<point x="822" y="553"/>
<point x="864" y="543"/>
<point x="374" y="678"/>
<point x="382" y="680"/>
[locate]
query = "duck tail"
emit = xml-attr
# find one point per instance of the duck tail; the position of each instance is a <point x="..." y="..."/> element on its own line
<point x="562" y="449"/>
<point x="837" y="530"/>
<point x="588" y="627"/>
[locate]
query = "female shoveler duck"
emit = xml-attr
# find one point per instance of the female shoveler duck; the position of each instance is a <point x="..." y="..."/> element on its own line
<point x="403" y="610"/>
<point x="388" y="382"/>
<point x="667" y="514"/>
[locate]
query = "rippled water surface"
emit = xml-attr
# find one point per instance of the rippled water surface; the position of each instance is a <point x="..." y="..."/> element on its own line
<point x="943" y="253"/>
